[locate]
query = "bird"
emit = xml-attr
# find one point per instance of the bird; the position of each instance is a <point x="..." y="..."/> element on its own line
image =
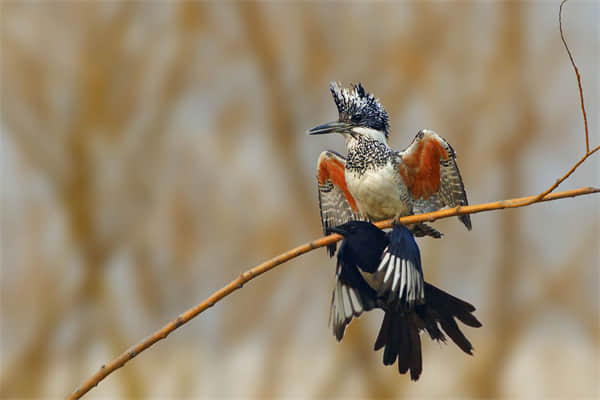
<point x="368" y="276"/>
<point x="375" y="182"/>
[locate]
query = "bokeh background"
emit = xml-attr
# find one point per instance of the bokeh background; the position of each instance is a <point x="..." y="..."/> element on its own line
<point x="153" y="151"/>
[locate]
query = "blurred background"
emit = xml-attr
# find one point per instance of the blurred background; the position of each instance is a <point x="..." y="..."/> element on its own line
<point x="153" y="151"/>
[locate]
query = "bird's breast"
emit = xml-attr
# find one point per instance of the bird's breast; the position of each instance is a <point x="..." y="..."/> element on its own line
<point x="379" y="192"/>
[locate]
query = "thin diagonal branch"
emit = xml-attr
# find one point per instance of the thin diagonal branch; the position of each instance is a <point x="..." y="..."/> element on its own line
<point x="585" y="123"/>
<point x="562" y="36"/>
<point x="247" y="276"/>
<point x="540" y="196"/>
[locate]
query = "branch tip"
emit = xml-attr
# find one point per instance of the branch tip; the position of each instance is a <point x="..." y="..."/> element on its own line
<point x="562" y="37"/>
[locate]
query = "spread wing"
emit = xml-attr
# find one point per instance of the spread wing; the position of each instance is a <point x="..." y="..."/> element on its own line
<point x="335" y="201"/>
<point x="352" y="294"/>
<point x="346" y="303"/>
<point x="428" y="166"/>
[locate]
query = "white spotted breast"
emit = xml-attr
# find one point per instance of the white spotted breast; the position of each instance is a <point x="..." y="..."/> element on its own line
<point x="379" y="193"/>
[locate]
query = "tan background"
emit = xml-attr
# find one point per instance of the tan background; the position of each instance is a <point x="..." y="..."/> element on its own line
<point x="152" y="151"/>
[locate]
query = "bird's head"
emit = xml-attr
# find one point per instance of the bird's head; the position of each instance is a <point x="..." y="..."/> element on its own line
<point x="360" y="114"/>
<point x="363" y="241"/>
<point x="353" y="229"/>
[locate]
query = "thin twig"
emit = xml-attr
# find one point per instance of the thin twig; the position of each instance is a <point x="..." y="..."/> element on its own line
<point x="244" y="277"/>
<point x="565" y="176"/>
<point x="587" y="137"/>
<point x="562" y="36"/>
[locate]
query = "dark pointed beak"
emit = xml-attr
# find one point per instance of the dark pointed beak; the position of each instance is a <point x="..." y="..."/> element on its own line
<point x="338" y="229"/>
<point x="330" y="127"/>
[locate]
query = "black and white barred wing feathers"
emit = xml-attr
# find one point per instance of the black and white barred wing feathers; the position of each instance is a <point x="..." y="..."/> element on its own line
<point x="428" y="167"/>
<point x="399" y="276"/>
<point x="336" y="204"/>
<point x="346" y="304"/>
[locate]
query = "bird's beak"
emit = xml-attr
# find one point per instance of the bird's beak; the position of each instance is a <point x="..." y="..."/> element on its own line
<point x="339" y="230"/>
<point x="330" y="127"/>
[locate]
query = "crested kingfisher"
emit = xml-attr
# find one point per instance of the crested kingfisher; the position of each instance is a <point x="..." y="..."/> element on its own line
<point x="368" y="276"/>
<point x="375" y="182"/>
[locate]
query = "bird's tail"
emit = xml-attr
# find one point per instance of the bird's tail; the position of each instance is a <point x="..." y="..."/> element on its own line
<point x="399" y="334"/>
<point x="440" y="311"/>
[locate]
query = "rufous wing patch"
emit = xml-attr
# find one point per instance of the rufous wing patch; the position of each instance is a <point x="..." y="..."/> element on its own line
<point x="421" y="168"/>
<point x="334" y="170"/>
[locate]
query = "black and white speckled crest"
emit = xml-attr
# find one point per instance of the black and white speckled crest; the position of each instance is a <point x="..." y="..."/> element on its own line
<point x="360" y="108"/>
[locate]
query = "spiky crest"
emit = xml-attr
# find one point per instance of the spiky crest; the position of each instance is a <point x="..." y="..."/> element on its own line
<point x="360" y="108"/>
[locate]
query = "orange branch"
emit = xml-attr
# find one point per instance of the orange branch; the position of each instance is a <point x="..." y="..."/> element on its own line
<point x="244" y="277"/>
